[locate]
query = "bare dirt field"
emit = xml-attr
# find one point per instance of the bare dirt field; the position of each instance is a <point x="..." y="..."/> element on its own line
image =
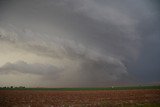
<point x="110" y="98"/>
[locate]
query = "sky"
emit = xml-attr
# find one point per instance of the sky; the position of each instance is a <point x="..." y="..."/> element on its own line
<point x="79" y="43"/>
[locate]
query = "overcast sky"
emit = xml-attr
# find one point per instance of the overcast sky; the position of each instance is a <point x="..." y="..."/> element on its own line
<point x="75" y="43"/>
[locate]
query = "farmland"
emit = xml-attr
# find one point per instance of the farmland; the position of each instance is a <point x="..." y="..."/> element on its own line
<point x="80" y="97"/>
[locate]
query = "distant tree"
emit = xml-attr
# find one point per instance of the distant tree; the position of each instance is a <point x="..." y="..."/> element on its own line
<point x="21" y="87"/>
<point x="11" y="87"/>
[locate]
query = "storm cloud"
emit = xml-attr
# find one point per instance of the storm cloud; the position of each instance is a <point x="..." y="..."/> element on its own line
<point x="36" y="68"/>
<point x="80" y="43"/>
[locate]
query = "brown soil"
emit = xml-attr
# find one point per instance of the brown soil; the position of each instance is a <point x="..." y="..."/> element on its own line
<point x="30" y="98"/>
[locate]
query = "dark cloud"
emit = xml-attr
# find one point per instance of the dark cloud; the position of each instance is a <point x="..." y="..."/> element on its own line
<point x="45" y="70"/>
<point x="87" y="40"/>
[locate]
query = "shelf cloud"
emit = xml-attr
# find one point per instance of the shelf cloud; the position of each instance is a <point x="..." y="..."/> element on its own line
<point x="80" y="43"/>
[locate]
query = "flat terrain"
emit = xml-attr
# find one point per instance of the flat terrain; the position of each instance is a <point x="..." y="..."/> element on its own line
<point x="85" y="98"/>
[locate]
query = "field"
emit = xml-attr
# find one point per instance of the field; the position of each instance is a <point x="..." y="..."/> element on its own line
<point x="80" y="97"/>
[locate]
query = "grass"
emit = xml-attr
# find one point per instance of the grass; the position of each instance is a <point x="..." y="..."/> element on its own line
<point x="80" y="89"/>
<point x="109" y="104"/>
<point x="106" y="104"/>
<point x="147" y="105"/>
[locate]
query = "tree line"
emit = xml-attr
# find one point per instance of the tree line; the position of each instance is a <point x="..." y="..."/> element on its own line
<point x="12" y="87"/>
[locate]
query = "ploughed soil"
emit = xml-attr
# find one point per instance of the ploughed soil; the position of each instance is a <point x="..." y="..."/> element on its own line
<point x="110" y="98"/>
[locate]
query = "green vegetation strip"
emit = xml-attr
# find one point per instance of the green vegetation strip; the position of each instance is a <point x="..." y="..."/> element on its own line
<point x="79" y="89"/>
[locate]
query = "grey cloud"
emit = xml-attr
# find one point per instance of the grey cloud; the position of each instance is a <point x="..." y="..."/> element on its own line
<point x="45" y="70"/>
<point x="102" y="70"/>
<point x="102" y="38"/>
<point x="107" y="21"/>
<point x="91" y="64"/>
